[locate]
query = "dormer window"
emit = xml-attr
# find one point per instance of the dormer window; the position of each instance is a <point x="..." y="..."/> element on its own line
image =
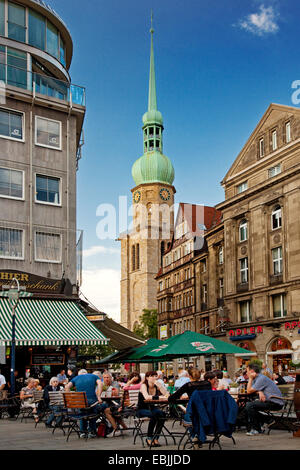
<point x="261" y="147"/>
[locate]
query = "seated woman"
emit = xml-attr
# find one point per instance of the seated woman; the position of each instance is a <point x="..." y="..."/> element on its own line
<point x="26" y="396"/>
<point x="134" y="382"/>
<point x="52" y="387"/>
<point x="149" y="391"/>
<point x="189" y="387"/>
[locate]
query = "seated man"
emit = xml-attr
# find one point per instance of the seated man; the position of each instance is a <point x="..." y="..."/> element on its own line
<point x="92" y="386"/>
<point x="266" y="388"/>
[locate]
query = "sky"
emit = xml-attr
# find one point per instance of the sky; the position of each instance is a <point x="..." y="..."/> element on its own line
<point x="219" y="64"/>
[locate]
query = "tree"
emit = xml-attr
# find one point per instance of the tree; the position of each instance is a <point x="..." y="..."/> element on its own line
<point x="147" y="328"/>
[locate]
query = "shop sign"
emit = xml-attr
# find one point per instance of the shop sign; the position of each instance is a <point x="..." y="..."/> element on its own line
<point x="31" y="282"/>
<point x="292" y="325"/>
<point x="46" y="359"/>
<point x="163" y="332"/>
<point x="252" y="330"/>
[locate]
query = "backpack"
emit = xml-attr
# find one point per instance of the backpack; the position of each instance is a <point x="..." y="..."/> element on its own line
<point x="103" y="429"/>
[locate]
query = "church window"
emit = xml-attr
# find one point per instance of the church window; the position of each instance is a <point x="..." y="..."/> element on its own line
<point x="133" y="257"/>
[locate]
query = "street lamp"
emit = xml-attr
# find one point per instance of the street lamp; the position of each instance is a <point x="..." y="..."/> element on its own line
<point x="13" y="294"/>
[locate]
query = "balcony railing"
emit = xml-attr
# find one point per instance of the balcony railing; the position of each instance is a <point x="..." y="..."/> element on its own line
<point x="42" y="84"/>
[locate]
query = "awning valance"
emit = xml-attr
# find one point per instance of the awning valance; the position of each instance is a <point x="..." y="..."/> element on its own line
<point x="47" y="322"/>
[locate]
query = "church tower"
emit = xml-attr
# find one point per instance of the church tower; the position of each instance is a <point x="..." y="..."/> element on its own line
<point x="153" y="215"/>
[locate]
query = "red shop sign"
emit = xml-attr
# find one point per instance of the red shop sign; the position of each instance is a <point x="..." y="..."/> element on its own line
<point x="292" y="325"/>
<point x="246" y="331"/>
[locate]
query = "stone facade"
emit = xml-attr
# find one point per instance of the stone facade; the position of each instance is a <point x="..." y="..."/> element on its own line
<point x="246" y="279"/>
<point x="141" y="250"/>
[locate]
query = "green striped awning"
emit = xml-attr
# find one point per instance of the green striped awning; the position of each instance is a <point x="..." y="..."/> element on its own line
<point x="47" y="323"/>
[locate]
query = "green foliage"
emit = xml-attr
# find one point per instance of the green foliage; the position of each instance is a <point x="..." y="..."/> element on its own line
<point x="147" y="328"/>
<point x="96" y="351"/>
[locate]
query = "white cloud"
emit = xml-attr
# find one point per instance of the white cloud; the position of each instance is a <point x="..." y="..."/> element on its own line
<point x="99" y="249"/>
<point x="102" y="288"/>
<point x="261" y="23"/>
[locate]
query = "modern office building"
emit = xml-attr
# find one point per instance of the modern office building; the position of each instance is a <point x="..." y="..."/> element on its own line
<point x="41" y="121"/>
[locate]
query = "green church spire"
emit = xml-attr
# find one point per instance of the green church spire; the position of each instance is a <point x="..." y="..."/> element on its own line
<point x="153" y="166"/>
<point x="152" y="103"/>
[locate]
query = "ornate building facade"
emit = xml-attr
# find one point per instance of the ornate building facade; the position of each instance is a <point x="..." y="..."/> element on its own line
<point x="245" y="280"/>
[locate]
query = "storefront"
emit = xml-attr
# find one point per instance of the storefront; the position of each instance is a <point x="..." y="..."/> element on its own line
<point x="275" y="343"/>
<point x="48" y="334"/>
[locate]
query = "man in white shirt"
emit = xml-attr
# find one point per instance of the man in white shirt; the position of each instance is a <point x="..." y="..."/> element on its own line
<point x="160" y="376"/>
<point x="2" y="382"/>
<point x="183" y="378"/>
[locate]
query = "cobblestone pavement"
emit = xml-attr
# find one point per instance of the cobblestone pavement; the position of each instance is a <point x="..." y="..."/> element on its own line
<point x="15" y="435"/>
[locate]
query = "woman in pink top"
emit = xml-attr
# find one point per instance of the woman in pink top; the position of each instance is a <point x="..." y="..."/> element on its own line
<point x="134" y="382"/>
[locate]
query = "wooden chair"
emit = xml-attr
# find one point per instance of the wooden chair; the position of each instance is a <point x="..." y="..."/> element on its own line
<point x="27" y="411"/>
<point x="57" y="407"/>
<point x="77" y="408"/>
<point x="282" y="419"/>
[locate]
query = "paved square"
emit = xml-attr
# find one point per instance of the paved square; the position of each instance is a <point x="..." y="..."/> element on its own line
<point x="24" y="436"/>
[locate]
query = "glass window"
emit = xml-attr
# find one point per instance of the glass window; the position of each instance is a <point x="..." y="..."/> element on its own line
<point x="47" y="189"/>
<point x="11" y="124"/>
<point x="243" y="230"/>
<point x="11" y="183"/>
<point x="242" y="187"/>
<point x="274" y="140"/>
<point x="52" y="39"/>
<point x="245" y="310"/>
<point x="277" y="260"/>
<point x="37" y="30"/>
<point x="48" y="133"/>
<point x="221" y="288"/>
<point x="274" y="171"/>
<point x="16" y="68"/>
<point x="2" y="18"/>
<point x="288" y="132"/>
<point x="47" y="247"/>
<point x="244" y="270"/>
<point x="2" y="64"/>
<point x="11" y="243"/>
<point x="16" y="22"/>
<point x="62" y="52"/>
<point x="276" y="218"/>
<point x="261" y="147"/>
<point x="221" y="255"/>
<point x="279" y="306"/>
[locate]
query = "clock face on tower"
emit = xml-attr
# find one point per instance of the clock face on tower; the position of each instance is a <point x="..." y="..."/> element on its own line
<point x="165" y="194"/>
<point x="137" y="196"/>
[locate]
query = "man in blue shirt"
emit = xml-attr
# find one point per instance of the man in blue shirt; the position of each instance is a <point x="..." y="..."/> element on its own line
<point x="266" y="389"/>
<point x="92" y="386"/>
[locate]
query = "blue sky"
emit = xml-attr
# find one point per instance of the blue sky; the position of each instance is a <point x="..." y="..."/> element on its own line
<point x="219" y="65"/>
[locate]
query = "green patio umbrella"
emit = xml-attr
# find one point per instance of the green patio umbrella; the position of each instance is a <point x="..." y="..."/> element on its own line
<point x="135" y="354"/>
<point x="188" y="344"/>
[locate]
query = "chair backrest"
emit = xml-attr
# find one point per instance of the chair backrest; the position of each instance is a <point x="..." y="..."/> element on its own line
<point x="287" y="390"/>
<point x="38" y="395"/>
<point x="133" y="397"/>
<point x="56" y="399"/>
<point x="75" y="400"/>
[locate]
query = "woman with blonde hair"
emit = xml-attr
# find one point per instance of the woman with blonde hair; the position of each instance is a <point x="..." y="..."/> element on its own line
<point x="26" y="396"/>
